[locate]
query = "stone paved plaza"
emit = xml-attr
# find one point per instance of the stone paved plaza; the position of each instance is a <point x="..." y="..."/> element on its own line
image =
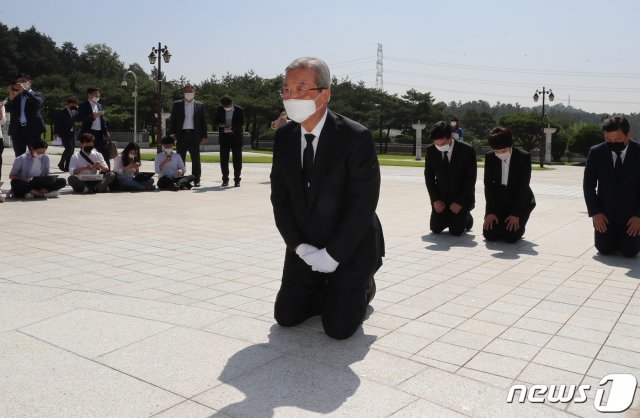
<point x="161" y="304"/>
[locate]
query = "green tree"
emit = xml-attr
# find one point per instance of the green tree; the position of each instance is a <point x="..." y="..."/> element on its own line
<point x="525" y="127"/>
<point x="585" y="137"/>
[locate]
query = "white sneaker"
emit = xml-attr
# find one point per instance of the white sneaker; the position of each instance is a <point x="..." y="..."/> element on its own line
<point x="28" y="196"/>
<point x="52" y="194"/>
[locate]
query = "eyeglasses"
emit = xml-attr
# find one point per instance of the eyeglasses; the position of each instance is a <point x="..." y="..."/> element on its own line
<point x="297" y="92"/>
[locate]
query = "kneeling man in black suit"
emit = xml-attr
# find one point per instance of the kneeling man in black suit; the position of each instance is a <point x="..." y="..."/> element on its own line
<point x="507" y="173"/>
<point x="611" y="188"/>
<point x="450" y="173"/>
<point x="325" y="183"/>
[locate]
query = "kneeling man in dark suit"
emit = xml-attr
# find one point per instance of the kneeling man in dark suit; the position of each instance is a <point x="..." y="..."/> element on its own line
<point x="611" y="188"/>
<point x="325" y="183"/>
<point x="450" y="174"/>
<point x="507" y="173"/>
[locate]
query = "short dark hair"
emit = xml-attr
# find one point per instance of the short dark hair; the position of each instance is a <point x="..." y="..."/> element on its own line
<point x="23" y="75"/>
<point x="86" y="137"/>
<point x="453" y="119"/>
<point x="167" y="140"/>
<point x="500" y="138"/>
<point x="189" y="86"/>
<point x="39" y="143"/>
<point x="616" y="123"/>
<point x="93" y="90"/>
<point x="226" y="100"/>
<point x="72" y="100"/>
<point x="440" y="130"/>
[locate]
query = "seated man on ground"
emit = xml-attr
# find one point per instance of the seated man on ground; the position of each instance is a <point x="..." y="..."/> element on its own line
<point x="88" y="169"/>
<point x="127" y="167"/>
<point x="28" y="171"/>
<point x="170" y="169"/>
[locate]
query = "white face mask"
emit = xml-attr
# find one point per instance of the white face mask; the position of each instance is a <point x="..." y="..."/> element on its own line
<point x="442" y="148"/>
<point x="189" y="96"/>
<point x="299" y="110"/>
<point x="504" y="156"/>
<point x="168" y="150"/>
<point x="228" y="109"/>
<point x="132" y="156"/>
<point x="38" y="156"/>
<point x="95" y="99"/>
<point x="454" y="124"/>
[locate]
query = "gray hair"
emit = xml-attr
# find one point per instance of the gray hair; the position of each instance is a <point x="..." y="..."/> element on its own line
<point x="318" y="66"/>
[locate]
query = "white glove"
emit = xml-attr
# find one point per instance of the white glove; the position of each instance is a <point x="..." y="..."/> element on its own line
<point x="321" y="261"/>
<point x="305" y="249"/>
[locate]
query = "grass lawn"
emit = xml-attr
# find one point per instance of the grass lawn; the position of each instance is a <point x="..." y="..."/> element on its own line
<point x="385" y="159"/>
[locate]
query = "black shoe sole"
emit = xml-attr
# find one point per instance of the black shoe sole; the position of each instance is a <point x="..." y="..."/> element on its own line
<point x="371" y="290"/>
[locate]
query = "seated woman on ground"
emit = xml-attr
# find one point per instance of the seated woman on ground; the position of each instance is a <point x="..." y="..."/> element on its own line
<point x="127" y="166"/>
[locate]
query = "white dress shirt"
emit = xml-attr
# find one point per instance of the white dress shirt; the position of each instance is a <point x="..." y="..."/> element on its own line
<point x="316" y="132"/>
<point x="505" y="170"/>
<point x="188" y="115"/>
<point x="78" y="161"/>
<point x="97" y="122"/>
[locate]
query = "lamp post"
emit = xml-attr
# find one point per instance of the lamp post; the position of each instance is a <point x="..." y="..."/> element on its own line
<point x="153" y="56"/>
<point x="544" y="92"/>
<point x="135" y="102"/>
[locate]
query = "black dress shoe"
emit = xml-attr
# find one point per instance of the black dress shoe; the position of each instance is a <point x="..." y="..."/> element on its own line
<point x="196" y="184"/>
<point x="225" y="183"/>
<point x="371" y="290"/>
<point x="469" y="222"/>
<point x="236" y="183"/>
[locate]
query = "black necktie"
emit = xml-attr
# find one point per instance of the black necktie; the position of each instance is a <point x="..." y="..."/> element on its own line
<point x="445" y="161"/>
<point x="307" y="161"/>
<point x="618" y="167"/>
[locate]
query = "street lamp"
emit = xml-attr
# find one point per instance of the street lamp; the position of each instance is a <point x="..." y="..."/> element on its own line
<point x="153" y="56"/>
<point x="135" y="102"/>
<point x="536" y="96"/>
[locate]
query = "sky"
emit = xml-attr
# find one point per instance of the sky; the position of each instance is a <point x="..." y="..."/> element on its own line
<point x="497" y="51"/>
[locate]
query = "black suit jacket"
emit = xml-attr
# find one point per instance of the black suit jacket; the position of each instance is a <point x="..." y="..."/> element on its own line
<point x="63" y="123"/>
<point x="345" y="186"/>
<point x="603" y="193"/>
<point x="237" y="121"/>
<point x="85" y="116"/>
<point x="459" y="183"/>
<point x="520" y="200"/>
<point x="32" y="111"/>
<point x="199" y="119"/>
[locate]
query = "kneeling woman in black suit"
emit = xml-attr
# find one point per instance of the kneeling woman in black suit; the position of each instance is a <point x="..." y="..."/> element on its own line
<point x="507" y="172"/>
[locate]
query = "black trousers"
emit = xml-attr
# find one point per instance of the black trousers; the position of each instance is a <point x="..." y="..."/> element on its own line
<point x="175" y="183"/>
<point x="229" y="143"/>
<point x="617" y="239"/>
<point x="69" y="143"/>
<point x="101" y="145"/>
<point x="187" y="141"/>
<point x="498" y="232"/>
<point x="340" y="297"/>
<point x="456" y="222"/>
<point x="24" y="138"/>
<point x="21" y="187"/>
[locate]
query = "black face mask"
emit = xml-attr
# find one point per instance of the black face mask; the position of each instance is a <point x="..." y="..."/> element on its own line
<point x="87" y="149"/>
<point x="616" y="146"/>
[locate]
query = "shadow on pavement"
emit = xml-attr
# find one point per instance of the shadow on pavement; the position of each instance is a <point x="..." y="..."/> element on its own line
<point x="312" y="374"/>
<point x="512" y="251"/>
<point x="633" y="264"/>
<point x="446" y="241"/>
